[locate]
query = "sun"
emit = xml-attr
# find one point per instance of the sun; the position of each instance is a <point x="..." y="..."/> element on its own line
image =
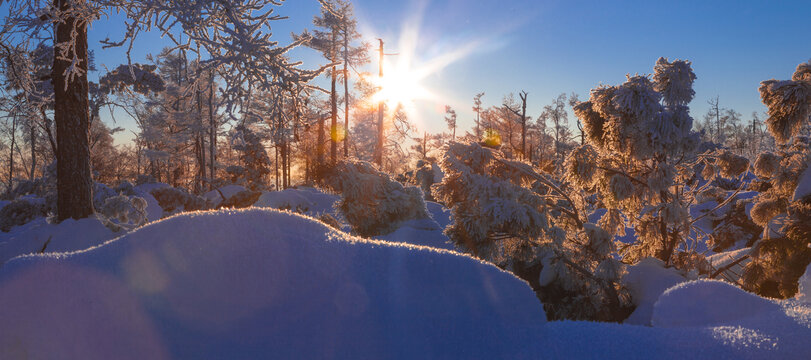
<point x="400" y="86"/>
<point x="406" y="71"/>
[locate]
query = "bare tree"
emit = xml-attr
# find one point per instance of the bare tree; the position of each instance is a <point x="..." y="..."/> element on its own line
<point x="523" y="114"/>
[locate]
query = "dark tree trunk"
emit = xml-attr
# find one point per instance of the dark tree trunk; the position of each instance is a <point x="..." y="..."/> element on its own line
<point x="11" y="152"/>
<point x="74" y="183"/>
<point x="33" y="134"/>
<point x="47" y="125"/>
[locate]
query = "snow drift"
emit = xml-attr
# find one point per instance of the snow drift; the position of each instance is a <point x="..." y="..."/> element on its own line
<point x="261" y="283"/>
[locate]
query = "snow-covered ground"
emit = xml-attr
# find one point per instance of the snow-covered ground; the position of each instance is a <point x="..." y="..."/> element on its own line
<point x="260" y="283"/>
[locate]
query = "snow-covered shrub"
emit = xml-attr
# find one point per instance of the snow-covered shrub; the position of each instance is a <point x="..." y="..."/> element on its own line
<point x="371" y="201"/>
<point x="19" y="212"/>
<point x="241" y="199"/>
<point x="640" y="157"/>
<point x="101" y="193"/>
<point x="123" y="212"/>
<point x="171" y="199"/>
<point x="507" y="213"/>
<point x="125" y="188"/>
<point x="782" y="254"/>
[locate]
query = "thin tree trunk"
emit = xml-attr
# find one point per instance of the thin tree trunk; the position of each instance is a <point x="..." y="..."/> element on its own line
<point x="212" y="133"/>
<point x="33" y="134"/>
<point x="74" y="182"/>
<point x="47" y="126"/>
<point x="276" y="165"/>
<point x="333" y="153"/>
<point x="346" y="94"/>
<point x="11" y="152"/>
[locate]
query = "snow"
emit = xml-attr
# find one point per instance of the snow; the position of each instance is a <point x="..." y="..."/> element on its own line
<point x="425" y="232"/>
<point x="312" y="201"/>
<point x="228" y="191"/>
<point x="253" y="282"/>
<point x="707" y="303"/>
<point x="803" y="185"/>
<point x="153" y="209"/>
<point x="646" y="281"/>
<point x="804" y="291"/>
<point x="439" y="213"/>
<point x="69" y="235"/>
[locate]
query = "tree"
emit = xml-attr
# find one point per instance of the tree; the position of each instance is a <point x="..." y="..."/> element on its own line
<point x="782" y="255"/>
<point x="335" y="43"/>
<point x="523" y="221"/>
<point x="450" y="119"/>
<point x="640" y="156"/>
<point x="353" y="56"/>
<point x="523" y="115"/>
<point x="477" y="107"/>
<point x="233" y="35"/>
<point x="556" y="113"/>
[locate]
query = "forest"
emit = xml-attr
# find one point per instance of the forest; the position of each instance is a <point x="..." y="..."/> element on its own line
<point x="257" y="205"/>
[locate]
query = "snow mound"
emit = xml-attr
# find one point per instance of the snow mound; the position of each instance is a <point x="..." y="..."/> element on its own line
<point x="707" y="303"/>
<point x="39" y="235"/>
<point x="227" y="191"/>
<point x="253" y="282"/>
<point x="804" y="291"/>
<point x="646" y="281"/>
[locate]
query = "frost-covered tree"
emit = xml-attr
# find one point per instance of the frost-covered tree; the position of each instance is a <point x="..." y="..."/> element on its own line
<point x="522" y="120"/>
<point x="555" y="116"/>
<point x="233" y="36"/>
<point x="640" y="157"/>
<point x="507" y="213"/>
<point x="783" y="253"/>
<point x="334" y="37"/>
<point x="477" y="107"/>
<point x="450" y="119"/>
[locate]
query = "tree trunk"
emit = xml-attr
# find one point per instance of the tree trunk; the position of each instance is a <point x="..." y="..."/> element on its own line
<point x="346" y="94"/>
<point x="200" y="132"/>
<point x="379" y="147"/>
<point x="523" y="96"/>
<point x="33" y="135"/>
<point x="276" y="165"/>
<point x="11" y="152"/>
<point x="212" y="133"/>
<point x="74" y="183"/>
<point x="333" y="129"/>
<point x="46" y="121"/>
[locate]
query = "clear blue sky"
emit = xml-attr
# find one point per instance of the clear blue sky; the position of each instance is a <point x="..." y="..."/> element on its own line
<point x="550" y="47"/>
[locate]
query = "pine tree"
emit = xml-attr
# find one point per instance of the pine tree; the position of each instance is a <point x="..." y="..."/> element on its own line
<point x="784" y="210"/>
<point x="640" y="154"/>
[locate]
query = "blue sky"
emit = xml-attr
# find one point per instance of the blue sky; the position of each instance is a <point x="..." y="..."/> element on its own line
<point x="552" y="47"/>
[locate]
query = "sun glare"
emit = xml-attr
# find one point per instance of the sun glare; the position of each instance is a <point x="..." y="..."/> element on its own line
<point x="404" y="72"/>
<point x="400" y="86"/>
